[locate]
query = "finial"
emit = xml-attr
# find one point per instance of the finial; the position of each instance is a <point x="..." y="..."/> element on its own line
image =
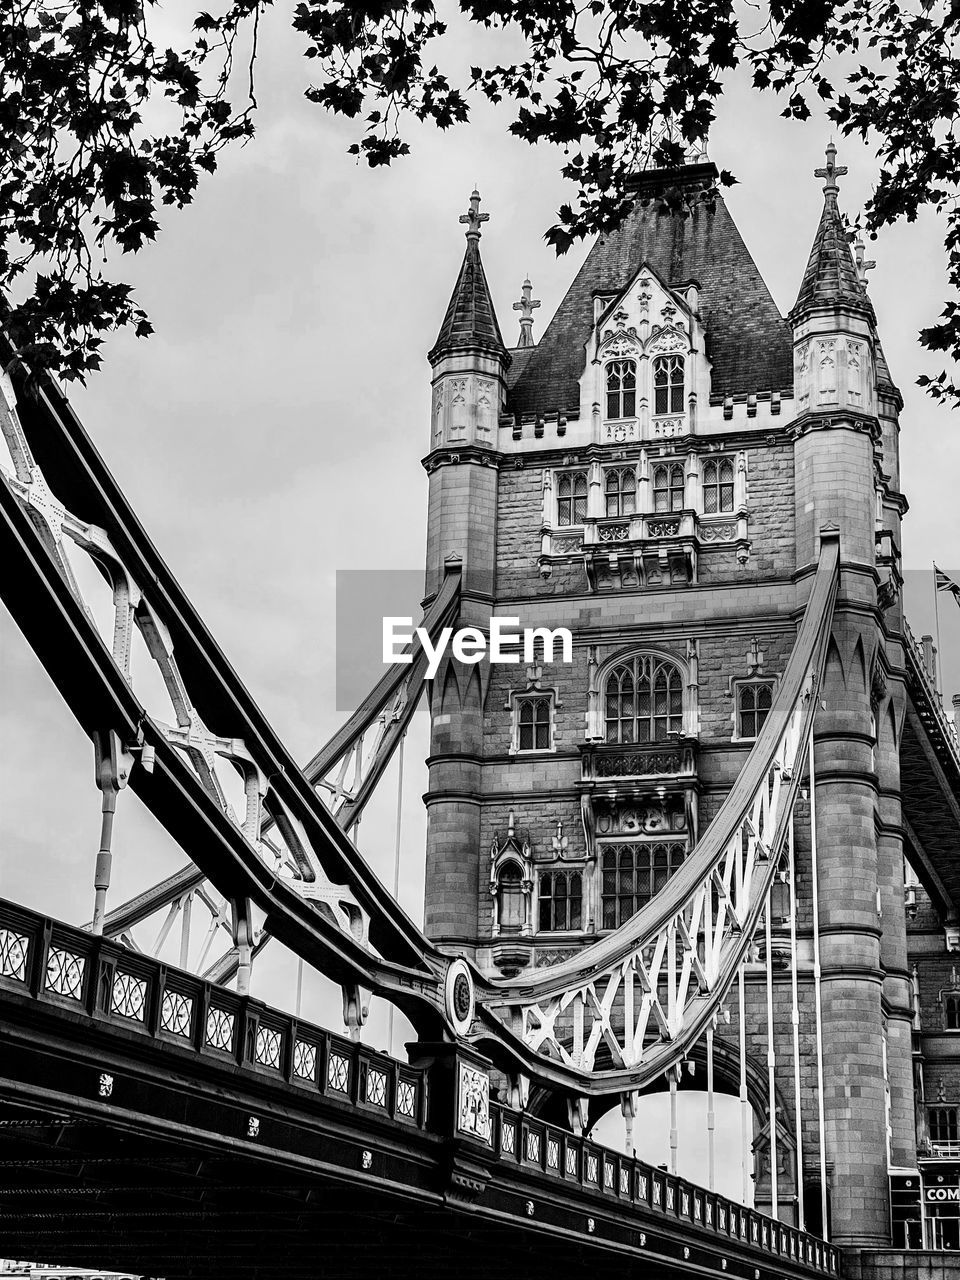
<point x="526" y="306"/>
<point x="473" y="217"/>
<point x="831" y="171"/>
<point x="863" y="266"/>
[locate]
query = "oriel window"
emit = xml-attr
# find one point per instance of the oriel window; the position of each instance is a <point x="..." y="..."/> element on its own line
<point x="668" y="487"/>
<point x="717" y="485"/>
<point x="572" y="498"/>
<point x="620" y="491"/>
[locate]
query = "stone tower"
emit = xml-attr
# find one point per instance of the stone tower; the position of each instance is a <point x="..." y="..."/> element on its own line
<point x="654" y="474"/>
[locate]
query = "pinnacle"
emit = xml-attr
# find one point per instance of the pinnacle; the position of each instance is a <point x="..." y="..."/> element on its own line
<point x="471" y="321"/>
<point x="832" y="277"/>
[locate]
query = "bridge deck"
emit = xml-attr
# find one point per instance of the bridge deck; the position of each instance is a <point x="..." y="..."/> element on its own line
<point x="150" y="1121"/>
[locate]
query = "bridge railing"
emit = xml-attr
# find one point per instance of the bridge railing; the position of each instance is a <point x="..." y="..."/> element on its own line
<point x="535" y="1144"/>
<point x="68" y="971"/>
<point x="65" y="967"/>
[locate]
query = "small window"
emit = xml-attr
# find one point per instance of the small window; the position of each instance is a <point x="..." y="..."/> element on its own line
<point x="754" y="700"/>
<point x="622" y="389"/>
<point x="668" y="384"/>
<point x="943" y="1124"/>
<point x="668" y="487"/>
<point x="951" y="1011"/>
<point x="717" y="486"/>
<point x="534" y="723"/>
<point x="633" y="874"/>
<point x="572" y="498"/>
<point x="510" y="906"/>
<point x="560" y="895"/>
<point x="620" y="491"/>
<point x="643" y="700"/>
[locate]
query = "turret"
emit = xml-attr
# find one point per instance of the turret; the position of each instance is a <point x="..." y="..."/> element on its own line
<point x="469" y="361"/>
<point x="835" y="388"/>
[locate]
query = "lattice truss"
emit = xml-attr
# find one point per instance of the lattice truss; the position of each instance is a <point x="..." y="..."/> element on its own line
<point x="344" y="773"/>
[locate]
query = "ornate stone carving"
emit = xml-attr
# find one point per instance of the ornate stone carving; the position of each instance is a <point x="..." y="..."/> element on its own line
<point x="473" y="1102"/>
<point x="647" y="818"/>
<point x="614" y="532"/>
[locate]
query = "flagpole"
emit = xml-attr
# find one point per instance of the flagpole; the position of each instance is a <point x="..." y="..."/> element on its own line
<point x="937" y="666"/>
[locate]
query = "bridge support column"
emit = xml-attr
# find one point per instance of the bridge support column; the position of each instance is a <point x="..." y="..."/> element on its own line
<point x="852" y="979"/>
<point x="888" y="702"/>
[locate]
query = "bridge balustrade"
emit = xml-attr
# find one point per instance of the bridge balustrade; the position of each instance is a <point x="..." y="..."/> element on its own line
<point x="65" y="968"/>
<point x="531" y="1143"/>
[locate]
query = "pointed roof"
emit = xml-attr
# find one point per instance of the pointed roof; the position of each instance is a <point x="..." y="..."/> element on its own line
<point x="470" y="321"/>
<point x="831" y="278"/>
<point x="748" y="342"/>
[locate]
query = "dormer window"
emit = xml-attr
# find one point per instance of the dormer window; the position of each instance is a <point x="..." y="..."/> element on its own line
<point x="622" y="389"/>
<point x="668" y="487"/>
<point x="620" y="491"/>
<point x="717" y="486"/>
<point x="668" y="384"/>
<point x="571" y="498"/>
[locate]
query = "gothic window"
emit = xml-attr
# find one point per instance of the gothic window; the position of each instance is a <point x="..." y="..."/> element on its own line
<point x="754" y="700"/>
<point x="510" y="906"/>
<point x="571" y="498"/>
<point x="668" y="487"/>
<point x="622" y="389"/>
<point x="560" y="897"/>
<point x="533" y="723"/>
<point x="632" y="873"/>
<point x="643" y="700"/>
<point x="943" y="1124"/>
<point x="951" y="1011"/>
<point x="717" y="485"/>
<point x="620" y="491"/>
<point x="668" y="384"/>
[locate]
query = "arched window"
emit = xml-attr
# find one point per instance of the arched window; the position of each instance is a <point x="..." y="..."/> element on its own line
<point x="560" y="897"/>
<point x="572" y="498"/>
<point x="951" y="1011"/>
<point x="668" y="384"/>
<point x="717" y="485"/>
<point x="754" y="700"/>
<point x="533" y="723"/>
<point x="620" y="491"/>
<point x="643" y="700"/>
<point x="622" y="389"/>
<point x="510" y="908"/>
<point x="668" y="487"/>
<point x="632" y="873"/>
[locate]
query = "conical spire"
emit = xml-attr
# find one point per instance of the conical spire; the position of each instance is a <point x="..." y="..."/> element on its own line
<point x="470" y="322"/>
<point x="831" y="278"/>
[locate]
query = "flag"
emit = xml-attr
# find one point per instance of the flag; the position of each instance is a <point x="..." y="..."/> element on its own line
<point x="946" y="584"/>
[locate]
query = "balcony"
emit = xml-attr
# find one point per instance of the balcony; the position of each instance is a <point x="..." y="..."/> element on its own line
<point x="639" y="762"/>
<point x="649" y="550"/>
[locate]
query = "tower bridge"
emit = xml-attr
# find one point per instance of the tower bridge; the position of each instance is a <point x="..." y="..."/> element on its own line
<point x="715" y="851"/>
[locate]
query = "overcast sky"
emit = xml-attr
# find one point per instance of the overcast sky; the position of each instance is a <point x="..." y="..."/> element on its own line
<point x="271" y="432"/>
